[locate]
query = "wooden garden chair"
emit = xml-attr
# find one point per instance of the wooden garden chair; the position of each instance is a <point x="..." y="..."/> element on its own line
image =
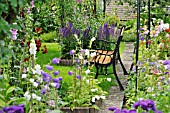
<point x="107" y="53"/>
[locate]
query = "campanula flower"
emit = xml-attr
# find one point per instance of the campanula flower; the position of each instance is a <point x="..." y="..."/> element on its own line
<point x="49" y="67"/>
<point x="56" y="72"/>
<point x="55" y="60"/>
<point x="70" y="73"/>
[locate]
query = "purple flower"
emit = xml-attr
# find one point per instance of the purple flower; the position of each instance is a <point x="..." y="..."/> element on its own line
<point x="49" y="67"/>
<point x="46" y="77"/>
<point x="1" y="111"/>
<point x="55" y="60"/>
<point x="100" y="35"/>
<point x="43" y="91"/>
<point x="14" y="33"/>
<point x="151" y="105"/>
<point x="142" y="29"/>
<point x="124" y="111"/>
<point x="57" y="72"/>
<point x="111" y="30"/>
<point x="166" y="62"/>
<point x="158" y="111"/>
<point x="136" y="105"/>
<point x="57" y="85"/>
<point x="32" y="4"/>
<point x="144" y="105"/>
<point x="51" y="103"/>
<point x="112" y="108"/>
<point x="78" y="0"/>
<point x="142" y="38"/>
<point x="82" y="50"/>
<point x="60" y="78"/>
<point x="106" y="30"/>
<point x="85" y="62"/>
<point x="117" y="111"/>
<point x="78" y="77"/>
<point x="56" y="80"/>
<point x="28" y="10"/>
<point x="14" y="109"/>
<point x="70" y="73"/>
<point x="72" y="52"/>
<point x="132" y="111"/>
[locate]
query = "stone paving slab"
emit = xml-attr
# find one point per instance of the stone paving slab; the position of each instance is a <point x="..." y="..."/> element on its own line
<point x="116" y="96"/>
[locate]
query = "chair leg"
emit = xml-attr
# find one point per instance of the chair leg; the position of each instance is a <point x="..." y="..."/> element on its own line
<point x="97" y="72"/>
<point x="123" y="67"/>
<point x="117" y="79"/>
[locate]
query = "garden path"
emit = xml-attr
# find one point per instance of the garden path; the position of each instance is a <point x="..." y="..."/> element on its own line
<point x="116" y="96"/>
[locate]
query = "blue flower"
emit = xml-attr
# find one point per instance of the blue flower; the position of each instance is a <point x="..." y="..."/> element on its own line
<point x="60" y="78"/>
<point x="57" y="85"/>
<point x="55" y="60"/>
<point x="132" y="111"/>
<point x="14" y="109"/>
<point x="72" y="52"/>
<point x="70" y="73"/>
<point x="56" y="80"/>
<point x="112" y="108"/>
<point x="49" y="67"/>
<point x="56" y="72"/>
<point x="166" y="62"/>
<point x="43" y="91"/>
<point x="78" y="77"/>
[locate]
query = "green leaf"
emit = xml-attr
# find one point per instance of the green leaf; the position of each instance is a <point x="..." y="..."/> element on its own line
<point x="2" y="103"/>
<point x="10" y="90"/>
<point x="17" y="101"/>
<point x="21" y="4"/>
<point x="15" y="26"/>
<point x="14" y="3"/>
<point x="2" y="97"/>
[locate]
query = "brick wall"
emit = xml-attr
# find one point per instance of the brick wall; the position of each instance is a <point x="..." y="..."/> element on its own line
<point x="124" y="12"/>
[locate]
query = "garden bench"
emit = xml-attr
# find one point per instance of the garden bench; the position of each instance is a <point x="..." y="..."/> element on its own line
<point x="107" y="53"/>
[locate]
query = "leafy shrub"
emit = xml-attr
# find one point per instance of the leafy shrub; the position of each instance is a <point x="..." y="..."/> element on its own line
<point x="49" y="37"/>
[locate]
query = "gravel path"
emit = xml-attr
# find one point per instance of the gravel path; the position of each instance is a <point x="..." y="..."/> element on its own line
<point x="116" y="96"/>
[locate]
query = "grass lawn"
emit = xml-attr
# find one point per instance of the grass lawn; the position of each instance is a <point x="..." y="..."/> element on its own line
<point x="54" y="51"/>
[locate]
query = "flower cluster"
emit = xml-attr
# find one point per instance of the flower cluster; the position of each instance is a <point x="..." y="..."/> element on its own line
<point x="146" y="105"/>
<point x="13" y="109"/>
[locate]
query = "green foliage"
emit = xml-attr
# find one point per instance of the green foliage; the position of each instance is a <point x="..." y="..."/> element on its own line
<point x="49" y="37"/>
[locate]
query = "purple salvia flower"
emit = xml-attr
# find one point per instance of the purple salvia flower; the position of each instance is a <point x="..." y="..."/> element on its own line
<point x="57" y="85"/>
<point x="55" y="60"/>
<point x="78" y="77"/>
<point x="70" y="73"/>
<point x="72" y="52"/>
<point x="100" y="35"/>
<point x="106" y="30"/>
<point x="49" y="67"/>
<point x="57" y="72"/>
<point x="111" y="30"/>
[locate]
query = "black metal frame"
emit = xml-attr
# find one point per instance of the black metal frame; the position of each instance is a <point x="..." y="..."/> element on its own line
<point x="102" y="53"/>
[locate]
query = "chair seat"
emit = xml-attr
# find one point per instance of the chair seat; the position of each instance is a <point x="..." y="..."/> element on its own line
<point x="105" y="52"/>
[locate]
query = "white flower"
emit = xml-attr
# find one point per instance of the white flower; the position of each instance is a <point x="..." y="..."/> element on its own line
<point x="103" y="97"/>
<point x="38" y="72"/>
<point x="37" y="67"/>
<point x="24" y="75"/>
<point x="87" y="71"/>
<point x="97" y="97"/>
<point x="93" y="54"/>
<point x="53" y="84"/>
<point x="34" y="96"/>
<point x="93" y="90"/>
<point x="31" y="80"/>
<point x="33" y="71"/>
<point x="33" y="48"/>
<point x="109" y="79"/>
<point x="87" y="81"/>
<point x="87" y="52"/>
<point x="165" y="26"/>
<point x="40" y="79"/>
<point x="35" y="84"/>
<point x="80" y="57"/>
<point x="27" y="96"/>
<point x="93" y="39"/>
<point x="150" y="89"/>
<point x="38" y="98"/>
<point x="93" y="99"/>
